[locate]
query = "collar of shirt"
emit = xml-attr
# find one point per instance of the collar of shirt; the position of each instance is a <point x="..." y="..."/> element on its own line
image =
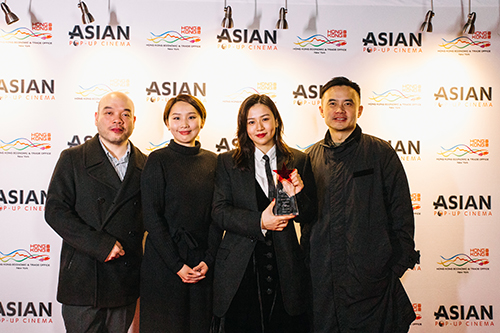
<point x="260" y="167"/>
<point x="120" y="165"/>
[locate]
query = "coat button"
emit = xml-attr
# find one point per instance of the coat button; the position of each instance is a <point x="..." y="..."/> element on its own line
<point x="269" y="279"/>
<point x="269" y="291"/>
<point x="101" y="200"/>
<point x="131" y="233"/>
<point x="269" y="267"/>
<point x="269" y="255"/>
<point x="269" y="242"/>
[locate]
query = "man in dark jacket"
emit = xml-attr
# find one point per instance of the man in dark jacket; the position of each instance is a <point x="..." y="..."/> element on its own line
<point x="94" y="204"/>
<point x="362" y="241"/>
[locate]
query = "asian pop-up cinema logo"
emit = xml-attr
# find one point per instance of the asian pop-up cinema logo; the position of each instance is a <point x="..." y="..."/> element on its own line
<point x="25" y="147"/>
<point x="479" y="42"/>
<point x="189" y="36"/>
<point x="477" y="150"/>
<point x="163" y="91"/>
<point x="253" y="40"/>
<point x="96" y="35"/>
<point x="476" y="97"/>
<point x="27" y="89"/>
<point x="307" y="95"/>
<point x="464" y="316"/>
<point x="385" y="42"/>
<point x="407" y="150"/>
<point x="463" y="205"/>
<point x="261" y="88"/>
<point x="22" y="312"/>
<point x="96" y="91"/>
<point x="20" y="200"/>
<point x="335" y="40"/>
<point x="39" y="34"/>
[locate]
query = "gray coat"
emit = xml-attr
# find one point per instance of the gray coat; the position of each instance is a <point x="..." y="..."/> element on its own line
<point x="362" y="242"/>
<point x="91" y="209"/>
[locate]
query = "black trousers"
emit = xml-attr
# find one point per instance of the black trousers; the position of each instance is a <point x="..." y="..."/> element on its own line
<point x="87" y="319"/>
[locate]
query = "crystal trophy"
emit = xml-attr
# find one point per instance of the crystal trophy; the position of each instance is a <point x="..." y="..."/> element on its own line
<point x="286" y="201"/>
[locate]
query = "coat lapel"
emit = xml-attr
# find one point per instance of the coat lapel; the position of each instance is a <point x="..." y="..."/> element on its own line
<point x="98" y="165"/>
<point x="131" y="184"/>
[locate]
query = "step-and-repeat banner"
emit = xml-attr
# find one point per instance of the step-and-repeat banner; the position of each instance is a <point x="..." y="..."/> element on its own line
<point x="431" y="95"/>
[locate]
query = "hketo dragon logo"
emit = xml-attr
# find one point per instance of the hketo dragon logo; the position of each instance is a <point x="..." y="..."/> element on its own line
<point x="417" y="308"/>
<point x="36" y="256"/>
<point x="252" y="40"/>
<point x="479" y="42"/>
<point x="172" y="40"/>
<point x="408" y="95"/>
<point x="469" y="97"/>
<point x="39" y="34"/>
<point x="95" y="91"/>
<point x="416" y="202"/>
<point x="465" y="316"/>
<point x="476" y="260"/>
<point x="391" y="42"/>
<point x="20" y="200"/>
<point x="163" y="91"/>
<point x="35" y="145"/>
<point x="261" y="88"/>
<point x="476" y="150"/>
<point x="463" y="205"/>
<point x="27" y="89"/>
<point x="108" y="36"/>
<point x="333" y="41"/>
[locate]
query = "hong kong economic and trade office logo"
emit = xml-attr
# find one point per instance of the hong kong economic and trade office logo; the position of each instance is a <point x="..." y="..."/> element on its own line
<point x="35" y="256"/>
<point x="40" y="33"/>
<point x="173" y="40"/>
<point x="261" y="88"/>
<point x="35" y="145"/>
<point x="334" y="40"/>
<point x="477" y="43"/>
<point x="474" y="151"/>
<point x="408" y="95"/>
<point x="478" y="259"/>
<point x="95" y="91"/>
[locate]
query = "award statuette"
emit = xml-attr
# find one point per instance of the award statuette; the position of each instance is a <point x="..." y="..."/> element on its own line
<point x="286" y="202"/>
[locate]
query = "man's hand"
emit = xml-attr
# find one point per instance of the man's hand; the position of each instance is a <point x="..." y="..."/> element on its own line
<point x="189" y="275"/>
<point x="116" y="252"/>
<point x="269" y="221"/>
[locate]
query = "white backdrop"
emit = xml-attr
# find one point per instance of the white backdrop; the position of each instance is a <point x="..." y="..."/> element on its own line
<point x="432" y="95"/>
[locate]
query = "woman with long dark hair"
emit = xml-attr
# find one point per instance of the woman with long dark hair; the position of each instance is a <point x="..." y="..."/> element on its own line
<point x="260" y="282"/>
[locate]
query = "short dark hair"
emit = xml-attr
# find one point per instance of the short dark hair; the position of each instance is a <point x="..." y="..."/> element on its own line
<point x="340" y="81"/>
<point x="245" y="148"/>
<point x="195" y="102"/>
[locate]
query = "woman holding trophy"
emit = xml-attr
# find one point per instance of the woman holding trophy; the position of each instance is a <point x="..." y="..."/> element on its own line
<point x="261" y="280"/>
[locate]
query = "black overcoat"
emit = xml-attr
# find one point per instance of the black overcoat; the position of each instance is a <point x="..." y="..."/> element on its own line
<point x="362" y="242"/>
<point x="235" y="211"/>
<point x="91" y="209"/>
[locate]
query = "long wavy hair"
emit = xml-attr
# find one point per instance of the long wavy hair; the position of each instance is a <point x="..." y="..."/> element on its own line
<point x="243" y="154"/>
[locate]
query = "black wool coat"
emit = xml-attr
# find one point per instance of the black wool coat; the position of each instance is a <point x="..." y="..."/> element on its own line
<point x="362" y="241"/>
<point x="91" y="209"/>
<point x="235" y="211"/>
